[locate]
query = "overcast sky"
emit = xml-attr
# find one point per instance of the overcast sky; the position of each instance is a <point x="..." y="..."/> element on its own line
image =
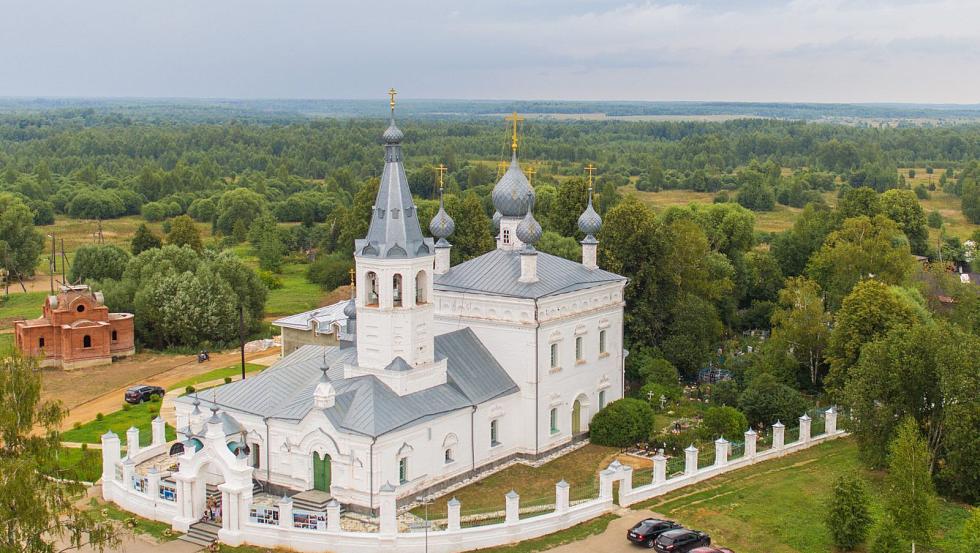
<point x="805" y="50"/>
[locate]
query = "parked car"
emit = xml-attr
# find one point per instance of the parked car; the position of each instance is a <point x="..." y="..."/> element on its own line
<point x="710" y="549"/>
<point x="139" y="394"/>
<point x="680" y="541"/>
<point x="647" y="530"/>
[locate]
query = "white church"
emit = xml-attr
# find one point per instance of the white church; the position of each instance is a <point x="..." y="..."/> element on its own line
<point x="441" y="373"/>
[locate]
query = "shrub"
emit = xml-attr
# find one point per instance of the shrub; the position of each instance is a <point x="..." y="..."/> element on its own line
<point x="126" y="407"/>
<point x="271" y="281"/>
<point x="227" y="380"/>
<point x="935" y="219"/>
<point x="921" y="192"/>
<point x="766" y="401"/>
<point x="724" y="392"/>
<point x="847" y="515"/>
<point x="622" y="423"/>
<point x="99" y="416"/>
<point x="886" y="538"/>
<point x="77" y="425"/>
<point x="330" y="271"/>
<point x="722" y="421"/>
<point x="154" y="410"/>
<point x="155" y="399"/>
<point x="189" y="389"/>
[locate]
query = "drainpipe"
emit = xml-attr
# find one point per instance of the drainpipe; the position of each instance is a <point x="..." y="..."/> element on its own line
<point x="472" y="440"/>
<point x="371" y="473"/>
<point x="537" y="331"/>
<point x="268" y="447"/>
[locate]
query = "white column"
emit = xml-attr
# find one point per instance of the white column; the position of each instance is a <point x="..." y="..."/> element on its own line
<point x="333" y="516"/>
<point x="442" y="260"/>
<point x="721" y="452"/>
<point x="233" y="511"/>
<point x="158" y="427"/>
<point x="805" y="428"/>
<point x="110" y="456"/>
<point x="225" y="515"/>
<point x="690" y="459"/>
<point x="132" y="441"/>
<point x="452" y="511"/>
<point x="830" y="421"/>
<point x="589" y="254"/>
<point x="561" y="497"/>
<point x="388" y="510"/>
<point x="659" y="468"/>
<point x="778" y="435"/>
<point x="512" y="508"/>
<point x="286" y="512"/>
<point x="750" y="442"/>
<point x="153" y="484"/>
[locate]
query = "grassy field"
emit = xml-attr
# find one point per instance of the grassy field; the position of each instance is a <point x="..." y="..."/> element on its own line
<point x="119" y="422"/>
<point x="79" y="464"/>
<point x="19" y="305"/>
<point x="777" y="506"/>
<point x="233" y="371"/>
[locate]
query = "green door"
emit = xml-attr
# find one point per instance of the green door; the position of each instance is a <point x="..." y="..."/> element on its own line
<point x="576" y="418"/>
<point x="321" y="472"/>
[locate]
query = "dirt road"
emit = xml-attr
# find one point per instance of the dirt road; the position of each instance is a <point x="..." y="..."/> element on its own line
<point x="87" y="392"/>
<point x="613" y="540"/>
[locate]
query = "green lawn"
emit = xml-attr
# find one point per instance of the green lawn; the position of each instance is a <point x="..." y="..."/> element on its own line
<point x="233" y="371"/>
<point x="777" y="506"/>
<point x="296" y="295"/>
<point x="6" y="341"/>
<point x="119" y="422"/>
<point x="19" y="305"/>
<point x="78" y="464"/>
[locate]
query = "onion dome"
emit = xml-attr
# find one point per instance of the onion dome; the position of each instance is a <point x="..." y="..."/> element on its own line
<point x="350" y="310"/>
<point x="589" y="221"/>
<point x="496" y="222"/>
<point x="513" y="193"/>
<point x="392" y="135"/>
<point x="442" y="225"/>
<point x="529" y="230"/>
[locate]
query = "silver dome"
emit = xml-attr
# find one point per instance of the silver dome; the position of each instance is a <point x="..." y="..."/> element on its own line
<point x="529" y="230"/>
<point x="442" y="225"/>
<point x="512" y="193"/>
<point x="392" y="135"/>
<point x="350" y="310"/>
<point x="589" y="221"/>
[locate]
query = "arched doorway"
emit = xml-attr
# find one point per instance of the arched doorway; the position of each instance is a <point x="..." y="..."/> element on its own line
<point x="576" y="418"/>
<point x="321" y="472"/>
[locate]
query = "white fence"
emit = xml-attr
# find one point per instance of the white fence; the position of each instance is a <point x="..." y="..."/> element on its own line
<point x="144" y="496"/>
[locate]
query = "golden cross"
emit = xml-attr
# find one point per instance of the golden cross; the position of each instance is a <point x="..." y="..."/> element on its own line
<point x="515" y="118"/>
<point x="531" y="171"/>
<point x="501" y="167"/>
<point x="352" y="278"/>
<point x="442" y="170"/>
<point x="391" y="94"/>
<point x="590" y="169"/>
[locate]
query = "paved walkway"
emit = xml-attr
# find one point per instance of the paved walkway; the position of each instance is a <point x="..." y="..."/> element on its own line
<point x="613" y="540"/>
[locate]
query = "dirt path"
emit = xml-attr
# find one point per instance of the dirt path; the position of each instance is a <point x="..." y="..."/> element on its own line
<point x="613" y="540"/>
<point x="87" y="392"/>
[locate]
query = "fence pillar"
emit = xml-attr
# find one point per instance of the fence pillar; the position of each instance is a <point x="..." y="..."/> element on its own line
<point x="388" y="510"/>
<point x="129" y="470"/>
<point x="830" y="421"/>
<point x="132" y="441"/>
<point x="452" y="511"/>
<point x="805" y="428"/>
<point x="778" y="435"/>
<point x="285" y="512"/>
<point x="153" y="484"/>
<point x="659" y="468"/>
<point x="721" y="452"/>
<point x="159" y="430"/>
<point x="561" y="497"/>
<point x="333" y="516"/>
<point x="606" y="483"/>
<point x="110" y="456"/>
<point x="626" y="484"/>
<point x="690" y="459"/>
<point x="750" y="441"/>
<point x="512" y="510"/>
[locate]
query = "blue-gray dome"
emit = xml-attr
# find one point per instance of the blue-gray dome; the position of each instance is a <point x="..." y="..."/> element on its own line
<point x="392" y="135"/>
<point x="512" y="193"/>
<point x="589" y="221"/>
<point x="442" y="225"/>
<point x="350" y="310"/>
<point x="529" y="230"/>
<point x="496" y="222"/>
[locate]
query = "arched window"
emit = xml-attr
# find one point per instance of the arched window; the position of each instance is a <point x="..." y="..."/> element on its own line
<point x="396" y="285"/>
<point x="420" y="288"/>
<point x="40" y="342"/>
<point x="372" y="290"/>
<point x="114" y="336"/>
<point x="86" y="341"/>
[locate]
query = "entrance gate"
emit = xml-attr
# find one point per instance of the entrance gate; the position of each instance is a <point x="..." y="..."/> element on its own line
<point x="321" y="472"/>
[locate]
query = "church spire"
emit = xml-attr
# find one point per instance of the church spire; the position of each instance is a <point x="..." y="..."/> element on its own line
<point x="394" y="230"/>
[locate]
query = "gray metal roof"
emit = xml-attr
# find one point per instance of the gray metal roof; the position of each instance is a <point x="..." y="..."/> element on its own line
<point x="497" y="272"/>
<point x="324" y="317"/>
<point x="364" y="404"/>
<point x="395" y="229"/>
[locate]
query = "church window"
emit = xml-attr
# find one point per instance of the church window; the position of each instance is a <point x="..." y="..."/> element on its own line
<point x="602" y="341"/>
<point x="372" y="290"/>
<point x="403" y="470"/>
<point x="80" y="308"/>
<point x="449" y="455"/>
<point x="114" y="336"/>
<point x="420" y="288"/>
<point x="554" y="420"/>
<point x="493" y="434"/>
<point x="506" y="235"/>
<point x="579" y="353"/>
<point x="602" y="399"/>
<point x="554" y="356"/>
<point x="86" y="341"/>
<point x="396" y="284"/>
<point x="40" y="342"/>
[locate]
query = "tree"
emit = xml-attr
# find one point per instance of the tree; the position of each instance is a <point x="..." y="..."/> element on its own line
<point x="970" y="200"/>
<point x="969" y="539"/>
<point x="98" y="262"/>
<point x="766" y="401"/>
<point x="862" y="247"/>
<point x="886" y="537"/>
<point x="202" y="210"/>
<point x="904" y="208"/>
<point x="20" y="244"/>
<point x="935" y="219"/>
<point x="719" y="422"/>
<point x="622" y="423"/>
<point x="855" y="202"/>
<point x="802" y="326"/>
<point x="267" y="241"/>
<point x="144" y="239"/>
<point x="794" y="247"/>
<point x="755" y="195"/>
<point x="763" y="277"/>
<point x="330" y="271"/>
<point x="472" y="237"/>
<point x="183" y="232"/>
<point x="570" y="203"/>
<point x="562" y="246"/>
<point x="238" y="205"/>
<point x="353" y="222"/>
<point x="848" y="518"/>
<point x="909" y="495"/>
<point x="692" y="334"/>
<point x="40" y="513"/>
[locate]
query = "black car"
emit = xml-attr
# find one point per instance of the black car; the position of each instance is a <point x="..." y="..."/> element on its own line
<point x="647" y="530"/>
<point x="139" y="394"/>
<point x="680" y="541"/>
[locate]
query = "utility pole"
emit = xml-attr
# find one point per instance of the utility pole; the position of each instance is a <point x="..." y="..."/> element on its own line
<point x="241" y="334"/>
<point x="52" y="263"/>
<point x="64" y="261"/>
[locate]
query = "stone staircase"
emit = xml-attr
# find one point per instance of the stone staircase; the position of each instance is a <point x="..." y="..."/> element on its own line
<point x="311" y="500"/>
<point x="202" y="533"/>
